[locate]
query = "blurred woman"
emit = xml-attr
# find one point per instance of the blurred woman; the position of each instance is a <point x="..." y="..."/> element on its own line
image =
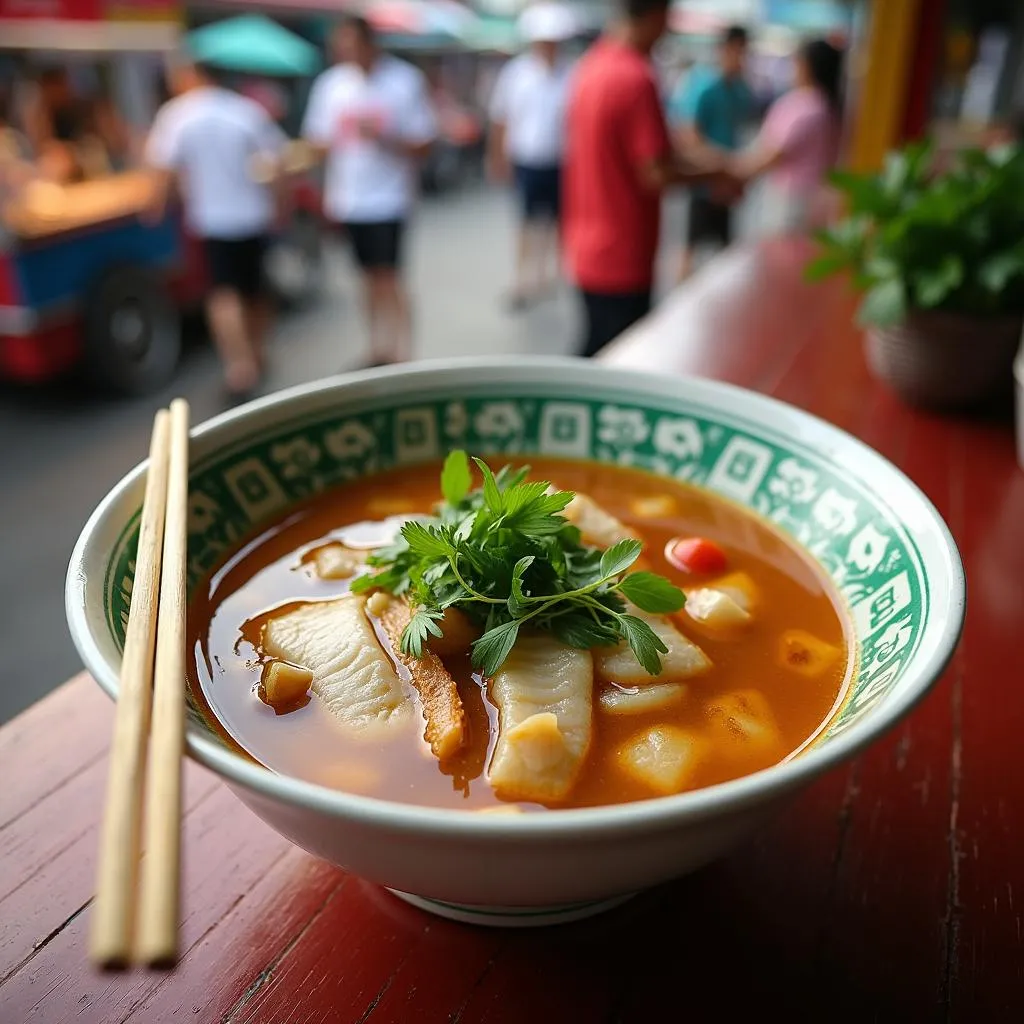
<point x="799" y="143"/>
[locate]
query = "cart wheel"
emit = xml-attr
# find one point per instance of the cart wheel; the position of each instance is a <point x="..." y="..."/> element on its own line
<point x="295" y="262"/>
<point x="132" y="332"/>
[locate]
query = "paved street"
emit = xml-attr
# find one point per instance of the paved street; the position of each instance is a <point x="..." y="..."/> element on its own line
<point x="62" y="450"/>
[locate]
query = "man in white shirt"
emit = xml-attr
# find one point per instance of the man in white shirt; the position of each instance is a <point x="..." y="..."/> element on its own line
<point x="526" y="142"/>
<point x="209" y="138"/>
<point x="371" y="116"/>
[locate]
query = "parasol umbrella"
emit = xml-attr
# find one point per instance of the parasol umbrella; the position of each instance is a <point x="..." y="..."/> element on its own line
<point x="420" y="17"/>
<point x="254" y="44"/>
<point x="694" y="23"/>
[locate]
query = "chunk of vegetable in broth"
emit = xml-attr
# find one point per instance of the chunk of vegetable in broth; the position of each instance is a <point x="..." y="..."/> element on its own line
<point x="654" y="506"/>
<point x="743" y="726"/>
<point x="740" y="587"/>
<point x="715" y="609"/>
<point x="663" y="758"/>
<point x="282" y="685"/>
<point x="806" y="654"/>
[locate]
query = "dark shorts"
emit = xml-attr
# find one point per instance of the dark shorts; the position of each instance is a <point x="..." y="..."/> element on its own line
<point x="236" y="263"/>
<point x="376" y="245"/>
<point x="540" y="192"/>
<point x="709" y="221"/>
<point x="607" y="315"/>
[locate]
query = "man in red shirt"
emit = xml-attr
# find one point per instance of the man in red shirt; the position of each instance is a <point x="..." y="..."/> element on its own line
<point x="619" y="159"/>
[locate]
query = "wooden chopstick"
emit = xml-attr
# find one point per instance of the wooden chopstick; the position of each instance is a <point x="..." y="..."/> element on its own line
<point x="112" y="916"/>
<point x="157" y="924"/>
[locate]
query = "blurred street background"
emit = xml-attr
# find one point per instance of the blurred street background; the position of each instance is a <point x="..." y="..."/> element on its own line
<point x="65" y="447"/>
<point x="65" y="442"/>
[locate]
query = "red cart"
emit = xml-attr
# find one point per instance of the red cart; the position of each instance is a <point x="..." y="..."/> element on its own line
<point x="89" y="284"/>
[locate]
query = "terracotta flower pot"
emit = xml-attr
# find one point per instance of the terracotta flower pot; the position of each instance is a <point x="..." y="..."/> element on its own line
<point x="946" y="360"/>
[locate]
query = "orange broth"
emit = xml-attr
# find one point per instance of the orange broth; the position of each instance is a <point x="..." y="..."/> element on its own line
<point x="272" y="572"/>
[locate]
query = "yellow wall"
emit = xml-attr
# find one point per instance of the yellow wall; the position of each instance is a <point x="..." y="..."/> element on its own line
<point x="882" y="80"/>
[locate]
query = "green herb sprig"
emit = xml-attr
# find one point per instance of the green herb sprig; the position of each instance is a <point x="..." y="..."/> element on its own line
<point x="505" y="556"/>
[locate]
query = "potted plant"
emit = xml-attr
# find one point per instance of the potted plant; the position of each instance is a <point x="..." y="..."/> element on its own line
<point x="939" y="256"/>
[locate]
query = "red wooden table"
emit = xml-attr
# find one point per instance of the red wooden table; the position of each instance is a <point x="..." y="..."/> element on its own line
<point x="892" y="890"/>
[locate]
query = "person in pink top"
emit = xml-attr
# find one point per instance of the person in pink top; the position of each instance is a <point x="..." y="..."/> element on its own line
<point x="799" y="143"/>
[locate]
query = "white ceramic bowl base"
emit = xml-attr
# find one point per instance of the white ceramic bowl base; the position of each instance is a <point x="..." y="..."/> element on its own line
<point x="513" y="917"/>
<point x="870" y="528"/>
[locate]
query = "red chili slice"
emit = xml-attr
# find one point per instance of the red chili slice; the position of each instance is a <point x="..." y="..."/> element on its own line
<point x="696" y="555"/>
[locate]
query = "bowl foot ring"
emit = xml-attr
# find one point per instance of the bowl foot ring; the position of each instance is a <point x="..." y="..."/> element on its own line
<point x="512" y="917"/>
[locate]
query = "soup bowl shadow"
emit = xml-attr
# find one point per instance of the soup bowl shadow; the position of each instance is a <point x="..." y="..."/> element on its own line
<point x="869" y="527"/>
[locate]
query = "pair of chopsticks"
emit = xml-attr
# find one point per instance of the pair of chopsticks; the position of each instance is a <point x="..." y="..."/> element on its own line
<point x="144" y="785"/>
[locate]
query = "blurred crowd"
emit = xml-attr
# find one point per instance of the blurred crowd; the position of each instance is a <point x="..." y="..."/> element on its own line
<point x="589" y="143"/>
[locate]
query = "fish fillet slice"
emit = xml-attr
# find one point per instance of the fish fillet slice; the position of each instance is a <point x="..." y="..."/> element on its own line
<point x="351" y="673"/>
<point x="439" y="696"/>
<point x="597" y="526"/>
<point x="543" y="692"/>
<point x="684" y="658"/>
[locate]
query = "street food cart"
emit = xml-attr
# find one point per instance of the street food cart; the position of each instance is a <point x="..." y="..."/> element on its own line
<point x="87" y="282"/>
<point x="90" y="282"/>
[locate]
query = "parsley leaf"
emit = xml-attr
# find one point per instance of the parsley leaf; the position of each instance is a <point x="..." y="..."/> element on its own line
<point x="652" y="593"/>
<point x="505" y="556"/>
<point x="424" y="540"/>
<point x="492" y="493"/>
<point x="646" y="645"/>
<point x="517" y="603"/>
<point x="456" y="478"/>
<point x="490" y="651"/>
<point x="619" y="557"/>
<point x="421" y="625"/>
<point x="577" y="629"/>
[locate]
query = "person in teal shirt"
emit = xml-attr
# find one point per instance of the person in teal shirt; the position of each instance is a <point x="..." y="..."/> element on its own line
<point x="709" y="111"/>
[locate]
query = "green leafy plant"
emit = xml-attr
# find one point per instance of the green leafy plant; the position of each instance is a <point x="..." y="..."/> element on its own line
<point x="919" y="238"/>
<point x="505" y="556"/>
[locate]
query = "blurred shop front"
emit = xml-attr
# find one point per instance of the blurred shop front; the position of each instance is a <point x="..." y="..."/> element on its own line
<point x="950" y="69"/>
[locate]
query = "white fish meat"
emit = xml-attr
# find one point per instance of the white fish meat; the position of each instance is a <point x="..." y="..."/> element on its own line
<point x="597" y="526"/>
<point x="683" y="660"/>
<point x="351" y="673"/>
<point x="639" y="700"/>
<point x="544" y="695"/>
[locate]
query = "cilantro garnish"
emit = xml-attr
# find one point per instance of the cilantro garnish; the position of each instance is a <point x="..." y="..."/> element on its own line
<point x="505" y="556"/>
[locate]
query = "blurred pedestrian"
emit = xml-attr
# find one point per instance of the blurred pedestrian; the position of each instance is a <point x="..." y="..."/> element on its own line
<point x="527" y="139"/>
<point x="799" y="143"/>
<point x="372" y="117"/>
<point x="619" y="159"/>
<point x="210" y="138"/>
<point x="711" y="111"/>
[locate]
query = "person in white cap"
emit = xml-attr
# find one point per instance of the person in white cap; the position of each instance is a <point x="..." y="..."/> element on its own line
<point x="526" y="141"/>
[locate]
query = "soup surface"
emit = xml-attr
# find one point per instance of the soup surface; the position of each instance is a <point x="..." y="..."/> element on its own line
<point x="778" y="667"/>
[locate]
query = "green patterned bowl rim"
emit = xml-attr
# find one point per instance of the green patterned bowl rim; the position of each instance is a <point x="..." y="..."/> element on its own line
<point x="901" y="571"/>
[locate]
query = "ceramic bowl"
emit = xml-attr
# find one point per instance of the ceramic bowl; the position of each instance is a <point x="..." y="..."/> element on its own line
<point x="872" y="530"/>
